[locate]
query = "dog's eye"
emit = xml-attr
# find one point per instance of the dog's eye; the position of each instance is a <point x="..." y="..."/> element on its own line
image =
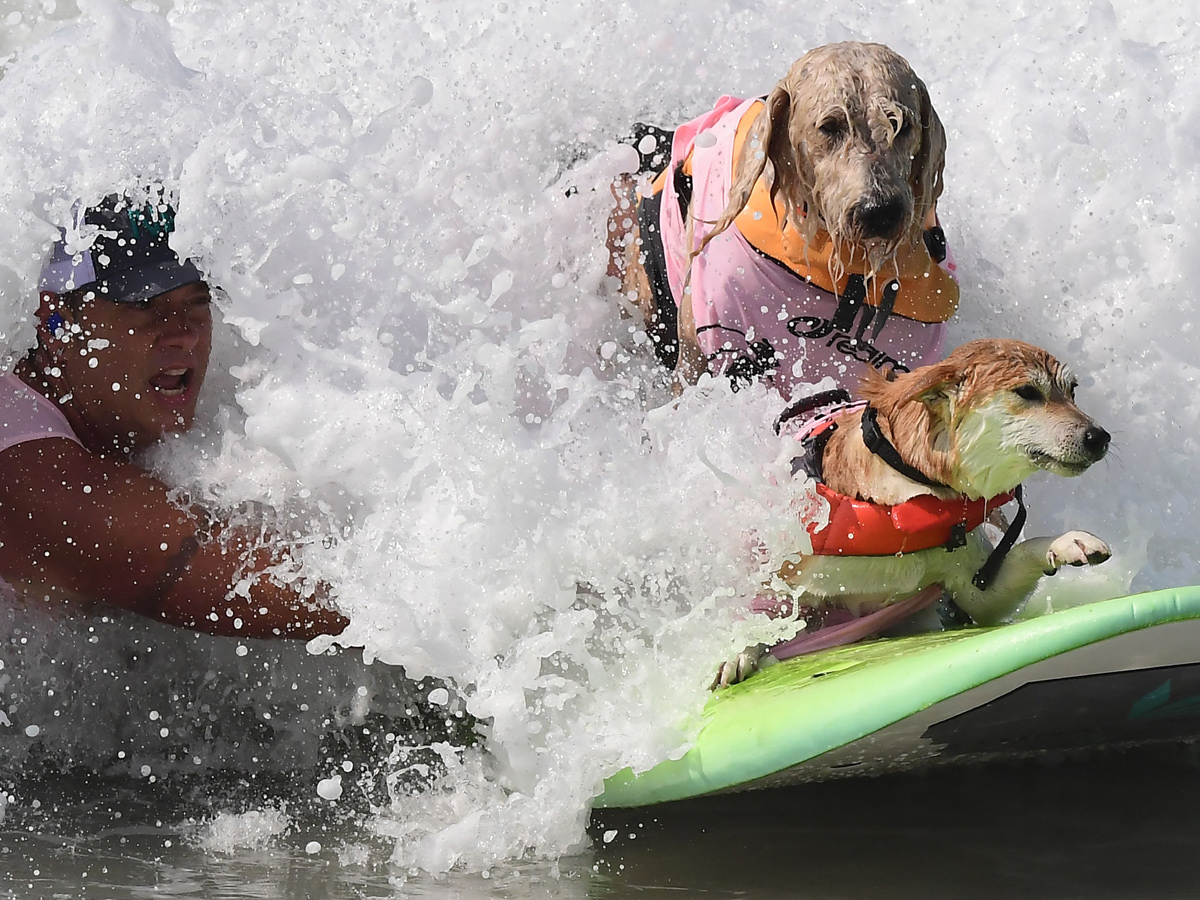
<point x="833" y="128"/>
<point x="1028" y="392"/>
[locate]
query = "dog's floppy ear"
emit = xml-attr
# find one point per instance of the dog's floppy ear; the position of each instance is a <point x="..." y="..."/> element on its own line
<point x="768" y="139"/>
<point x="937" y="399"/>
<point x="932" y="386"/>
<point x="925" y="177"/>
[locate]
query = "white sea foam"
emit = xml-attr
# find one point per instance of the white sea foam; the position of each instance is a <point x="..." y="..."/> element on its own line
<point x="420" y="357"/>
<point x="253" y="830"/>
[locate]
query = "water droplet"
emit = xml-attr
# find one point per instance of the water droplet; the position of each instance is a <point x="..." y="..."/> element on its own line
<point x="330" y="788"/>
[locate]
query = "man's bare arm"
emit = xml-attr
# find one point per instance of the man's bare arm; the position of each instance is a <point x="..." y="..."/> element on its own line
<point x="108" y="532"/>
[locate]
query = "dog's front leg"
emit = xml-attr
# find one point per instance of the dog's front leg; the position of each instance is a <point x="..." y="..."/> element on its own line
<point x="741" y="667"/>
<point x="1021" y="570"/>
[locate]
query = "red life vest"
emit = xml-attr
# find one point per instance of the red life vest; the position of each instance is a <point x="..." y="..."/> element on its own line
<point x="863" y="528"/>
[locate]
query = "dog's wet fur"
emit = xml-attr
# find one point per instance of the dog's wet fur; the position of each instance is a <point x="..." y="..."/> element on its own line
<point x="983" y="420"/>
<point x="851" y="145"/>
<point x="980" y="422"/>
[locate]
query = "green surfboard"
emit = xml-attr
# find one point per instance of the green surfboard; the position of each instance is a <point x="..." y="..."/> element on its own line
<point x="1117" y="672"/>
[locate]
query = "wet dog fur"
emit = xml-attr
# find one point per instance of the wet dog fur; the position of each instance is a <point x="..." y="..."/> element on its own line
<point x="980" y="422"/>
<point x="850" y="143"/>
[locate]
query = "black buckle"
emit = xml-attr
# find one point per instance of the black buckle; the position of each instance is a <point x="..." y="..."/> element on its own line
<point x="958" y="536"/>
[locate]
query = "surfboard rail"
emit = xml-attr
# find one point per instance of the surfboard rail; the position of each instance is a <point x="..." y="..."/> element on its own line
<point x="795" y="711"/>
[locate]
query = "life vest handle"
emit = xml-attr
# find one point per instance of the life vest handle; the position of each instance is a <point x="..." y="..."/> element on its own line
<point x="807" y="404"/>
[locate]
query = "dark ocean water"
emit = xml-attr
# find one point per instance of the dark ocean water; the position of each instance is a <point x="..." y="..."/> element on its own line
<point x="1114" y="825"/>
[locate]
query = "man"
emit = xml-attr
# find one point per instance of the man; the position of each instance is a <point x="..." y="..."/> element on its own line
<point x="124" y="330"/>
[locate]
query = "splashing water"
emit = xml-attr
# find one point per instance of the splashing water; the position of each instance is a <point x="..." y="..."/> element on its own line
<point x="254" y="830"/>
<point x="422" y="367"/>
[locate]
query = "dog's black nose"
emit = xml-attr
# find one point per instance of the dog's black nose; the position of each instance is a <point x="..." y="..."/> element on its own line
<point x="1095" y="441"/>
<point x="880" y="217"/>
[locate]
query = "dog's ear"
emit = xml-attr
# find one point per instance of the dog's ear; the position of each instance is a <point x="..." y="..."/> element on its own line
<point x="768" y="140"/>
<point x="925" y="177"/>
<point x="933" y="386"/>
<point x="787" y="166"/>
<point x="938" y="397"/>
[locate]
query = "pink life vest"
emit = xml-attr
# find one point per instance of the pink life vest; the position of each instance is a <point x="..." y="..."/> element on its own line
<point x="757" y="308"/>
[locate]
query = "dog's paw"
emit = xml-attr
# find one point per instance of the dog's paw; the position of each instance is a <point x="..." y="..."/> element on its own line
<point x="1075" y="548"/>
<point x="740" y="667"/>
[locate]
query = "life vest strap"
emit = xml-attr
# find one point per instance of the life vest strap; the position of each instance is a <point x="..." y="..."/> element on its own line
<point x="878" y="444"/>
<point x="818" y="411"/>
<point x="654" y="160"/>
<point x="663" y="327"/>
<point x="935" y="243"/>
<point x="987" y="572"/>
<point x="683" y="189"/>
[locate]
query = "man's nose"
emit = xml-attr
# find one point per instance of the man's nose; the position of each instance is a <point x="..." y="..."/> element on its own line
<point x="181" y="330"/>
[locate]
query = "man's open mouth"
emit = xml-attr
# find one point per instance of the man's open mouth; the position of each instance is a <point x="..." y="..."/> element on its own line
<point x="172" y="382"/>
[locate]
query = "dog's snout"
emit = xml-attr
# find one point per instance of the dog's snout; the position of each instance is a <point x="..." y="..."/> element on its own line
<point x="882" y="217"/>
<point x="1095" y="441"/>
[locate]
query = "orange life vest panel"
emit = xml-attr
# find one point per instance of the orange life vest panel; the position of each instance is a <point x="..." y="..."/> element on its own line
<point x="927" y="292"/>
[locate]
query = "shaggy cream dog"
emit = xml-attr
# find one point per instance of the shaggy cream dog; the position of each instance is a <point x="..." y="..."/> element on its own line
<point x="797" y="225"/>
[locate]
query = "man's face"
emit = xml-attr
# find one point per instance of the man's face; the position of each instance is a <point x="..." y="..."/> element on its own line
<point x="135" y="370"/>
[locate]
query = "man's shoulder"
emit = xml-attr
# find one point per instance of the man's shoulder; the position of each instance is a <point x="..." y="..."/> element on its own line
<point x="39" y="452"/>
<point x="25" y="415"/>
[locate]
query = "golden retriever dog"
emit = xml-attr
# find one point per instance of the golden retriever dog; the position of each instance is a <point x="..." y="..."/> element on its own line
<point x="793" y="236"/>
<point x="942" y="444"/>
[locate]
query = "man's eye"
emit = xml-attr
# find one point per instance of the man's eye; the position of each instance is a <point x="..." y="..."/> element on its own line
<point x="1028" y="392"/>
